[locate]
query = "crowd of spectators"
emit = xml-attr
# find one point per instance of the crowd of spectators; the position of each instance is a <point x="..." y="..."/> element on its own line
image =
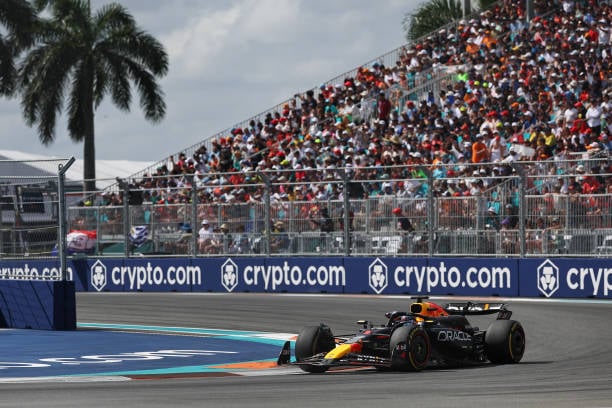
<point x="533" y="91"/>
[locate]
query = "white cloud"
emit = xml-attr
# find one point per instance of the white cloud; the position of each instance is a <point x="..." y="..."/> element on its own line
<point x="229" y="60"/>
<point x="192" y="48"/>
<point x="239" y="37"/>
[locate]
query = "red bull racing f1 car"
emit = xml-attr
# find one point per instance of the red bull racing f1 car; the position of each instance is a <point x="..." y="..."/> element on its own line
<point x="428" y="335"/>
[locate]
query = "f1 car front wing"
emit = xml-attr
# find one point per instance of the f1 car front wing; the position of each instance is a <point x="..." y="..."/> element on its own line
<point x="350" y="360"/>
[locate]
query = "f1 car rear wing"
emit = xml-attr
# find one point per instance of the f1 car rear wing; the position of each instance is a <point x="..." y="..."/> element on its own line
<point x="470" y="308"/>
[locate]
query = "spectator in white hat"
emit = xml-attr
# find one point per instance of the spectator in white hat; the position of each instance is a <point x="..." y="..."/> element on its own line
<point x="205" y="235"/>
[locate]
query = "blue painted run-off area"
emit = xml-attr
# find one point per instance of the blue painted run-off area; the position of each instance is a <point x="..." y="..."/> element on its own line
<point x="95" y="350"/>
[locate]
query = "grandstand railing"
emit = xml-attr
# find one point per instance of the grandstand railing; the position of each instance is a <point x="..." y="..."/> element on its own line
<point x="521" y="209"/>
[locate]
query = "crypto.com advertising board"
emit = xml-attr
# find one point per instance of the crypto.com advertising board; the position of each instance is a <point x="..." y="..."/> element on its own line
<point x="537" y="277"/>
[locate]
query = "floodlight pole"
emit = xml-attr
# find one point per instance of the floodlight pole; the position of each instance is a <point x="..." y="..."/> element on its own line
<point x="61" y="179"/>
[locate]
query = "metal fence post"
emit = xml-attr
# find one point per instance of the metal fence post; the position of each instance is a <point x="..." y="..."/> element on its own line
<point x="431" y="221"/>
<point x="481" y="226"/>
<point x="522" y="215"/>
<point x="267" y="205"/>
<point x="431" y="211"/>
<point x="61" y="178"/>
<point x="126" y="211"/>
<point x="194" y="218"/>
<point x="346" y="214"/>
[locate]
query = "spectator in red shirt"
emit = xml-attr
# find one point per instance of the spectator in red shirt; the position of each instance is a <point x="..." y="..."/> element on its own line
<point x="383" y="106"/>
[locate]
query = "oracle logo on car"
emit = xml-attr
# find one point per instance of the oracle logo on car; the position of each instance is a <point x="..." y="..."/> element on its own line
<point x="453" y="335"/>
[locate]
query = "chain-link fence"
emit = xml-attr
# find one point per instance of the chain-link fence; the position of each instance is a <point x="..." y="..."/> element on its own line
<point x="497" y="209"/>
<point x="30" y="207"/>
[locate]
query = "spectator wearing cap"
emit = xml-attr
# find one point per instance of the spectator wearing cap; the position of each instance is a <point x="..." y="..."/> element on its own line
<point x="497" y="148"/>
<point x="492" y="219"/>
<point x="226" y="239"/>
<point x="205" y="236"/>
<point x="280" y="241"/>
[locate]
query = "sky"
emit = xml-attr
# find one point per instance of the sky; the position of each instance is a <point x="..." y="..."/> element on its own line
<point x="229" y="60"/>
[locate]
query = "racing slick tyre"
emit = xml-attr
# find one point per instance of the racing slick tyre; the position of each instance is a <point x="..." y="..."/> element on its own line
<point x="410" y="348"/>
<point x="505" y="342"/>
<point x="313" y="340"/>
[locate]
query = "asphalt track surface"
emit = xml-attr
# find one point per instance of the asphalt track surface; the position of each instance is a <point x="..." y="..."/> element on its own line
<point x="567" y="363"/>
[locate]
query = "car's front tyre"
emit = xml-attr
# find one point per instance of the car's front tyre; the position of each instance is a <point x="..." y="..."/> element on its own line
<point x="313" y="340"/>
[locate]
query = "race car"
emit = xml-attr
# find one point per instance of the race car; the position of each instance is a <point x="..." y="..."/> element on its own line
<point x="428" y="335"/>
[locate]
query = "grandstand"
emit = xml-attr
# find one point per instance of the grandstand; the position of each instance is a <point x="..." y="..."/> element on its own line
<point x="415" y="72"/>
<point x="490" y="124"/>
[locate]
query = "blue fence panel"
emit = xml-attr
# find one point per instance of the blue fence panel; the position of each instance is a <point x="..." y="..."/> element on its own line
<point x="566" y="278"/>
<point x="131" y="275"/>
<point x="303" y="275"/>
<point x="533" y="277"/>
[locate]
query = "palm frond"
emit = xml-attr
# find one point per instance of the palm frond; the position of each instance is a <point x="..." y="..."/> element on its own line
<point x="430" y="16"/>
<point x="119" y="85"/>
<point x="151" y="96"/>
<point x="80" y="58"/>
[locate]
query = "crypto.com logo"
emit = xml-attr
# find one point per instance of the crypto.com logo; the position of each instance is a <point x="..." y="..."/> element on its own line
<point x="548" y="278"/>
<point x="98" y="275"/>
<point x="377" y="276"/>
<point x="229" y="275"/>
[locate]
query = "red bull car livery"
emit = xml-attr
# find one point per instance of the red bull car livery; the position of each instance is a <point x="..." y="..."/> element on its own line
<point x="428" y="335"/>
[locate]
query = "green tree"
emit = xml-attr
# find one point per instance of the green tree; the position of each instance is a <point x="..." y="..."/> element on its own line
<point x="78" y="58"/>
<point x="435" y="14"/>
<point x="18" y="20"/>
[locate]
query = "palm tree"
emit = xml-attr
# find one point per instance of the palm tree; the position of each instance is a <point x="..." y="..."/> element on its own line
<point x="18" y="19"/>
<point x="436" y="14"/>
<point x="78" y="59"/>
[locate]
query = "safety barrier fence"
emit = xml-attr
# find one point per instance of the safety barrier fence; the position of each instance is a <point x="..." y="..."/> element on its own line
<point x="32" y="221"/>
<point x="500" y="209"/>
<point x="459" y="276"/>
<point x="31" y="206"/>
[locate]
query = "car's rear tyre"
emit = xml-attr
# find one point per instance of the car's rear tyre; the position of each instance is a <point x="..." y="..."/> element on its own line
<point x="313" y="340"/>
<point x="505" y="342"/>
<point x="410" y="348"/>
